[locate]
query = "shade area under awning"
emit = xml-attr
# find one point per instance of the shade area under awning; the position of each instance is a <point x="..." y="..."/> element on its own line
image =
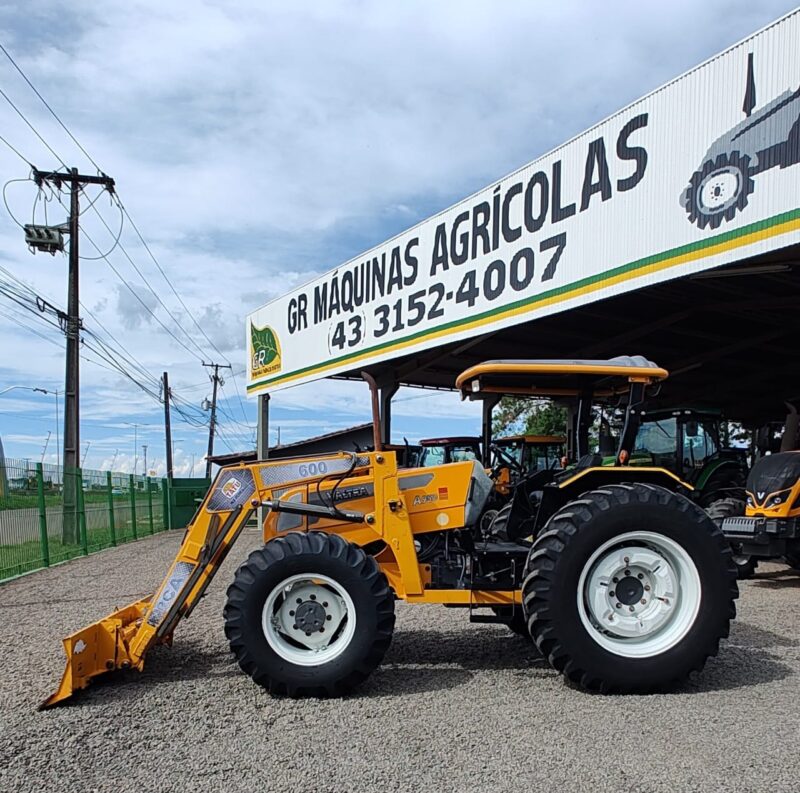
<point x="728" y="337"/>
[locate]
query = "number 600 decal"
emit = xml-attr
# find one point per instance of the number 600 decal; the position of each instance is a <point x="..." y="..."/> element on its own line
<point x="312" y="469"/>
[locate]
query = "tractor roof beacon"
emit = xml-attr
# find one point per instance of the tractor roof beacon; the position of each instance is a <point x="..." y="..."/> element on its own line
<point x="624" y="584"/>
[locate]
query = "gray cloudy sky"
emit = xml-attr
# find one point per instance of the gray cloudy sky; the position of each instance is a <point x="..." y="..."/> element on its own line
<point x="256" y="144"/>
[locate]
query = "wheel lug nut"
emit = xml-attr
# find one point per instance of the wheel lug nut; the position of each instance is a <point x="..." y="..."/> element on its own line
<point x="630" y="608"/>
<point x="640" y="576"/>
<point x="324" y="604"/>
<point x="294" y="627"/>
<point x="643" y="601"/>
<point x="313" y="597"/>
<point x="619" y="605"/>
<point x="647" y="587"/>
<point x="627" y="559"/>
<point x="615" y="580"/>
<point x="291" y="613"/>
<point x="329" y="618"/>
<point x="299" y="601"/>
<point x="627" y="572"/>
<point x="612" y="593"/>
<point x="322" y="629"/>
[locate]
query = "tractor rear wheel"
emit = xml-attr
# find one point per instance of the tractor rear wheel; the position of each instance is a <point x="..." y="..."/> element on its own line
<point x="309" y="615"/>
<point x="730" y="508"/>
<point x="630" y="589"/>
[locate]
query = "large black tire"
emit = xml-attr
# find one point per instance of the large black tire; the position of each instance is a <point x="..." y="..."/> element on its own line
<point x="515" y="619"/>
<point x="588" y="528"/>
<point x="730" y="508"/>
<point x="725" y="482"/>
<point x="793" y="560"/>
<point x="713" y="215"/>
<point x="317" y="554"/>
<point x="498" y="528"/>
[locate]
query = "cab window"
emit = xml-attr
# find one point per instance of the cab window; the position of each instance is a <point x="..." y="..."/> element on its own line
<point x="431" y="455"/>
<point x="659" y="439"/>
<point x="460" y="453"/>
<point x="698" y="444"/>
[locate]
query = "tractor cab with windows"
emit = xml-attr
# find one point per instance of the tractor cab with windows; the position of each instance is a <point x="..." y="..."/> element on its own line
<point x="439" y="451"/>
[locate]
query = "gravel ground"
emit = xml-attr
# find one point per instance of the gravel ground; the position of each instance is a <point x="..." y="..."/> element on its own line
<point x="455" y="707"/>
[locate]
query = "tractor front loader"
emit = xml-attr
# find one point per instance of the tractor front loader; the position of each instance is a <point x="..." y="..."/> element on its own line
<point x="622" y="582"/>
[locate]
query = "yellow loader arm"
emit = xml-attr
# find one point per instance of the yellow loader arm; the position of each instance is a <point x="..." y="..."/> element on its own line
<point x="121" y="640"/>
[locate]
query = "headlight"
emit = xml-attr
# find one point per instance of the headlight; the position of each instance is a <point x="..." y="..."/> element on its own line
<point x="774" y="501"/>
<point x="750" y="502"/>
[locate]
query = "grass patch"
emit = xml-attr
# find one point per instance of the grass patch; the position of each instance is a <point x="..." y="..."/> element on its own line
<point x="24" y="557"/>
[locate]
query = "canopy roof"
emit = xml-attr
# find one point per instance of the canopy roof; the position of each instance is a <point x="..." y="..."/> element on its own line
<point x="728" y="338"/>
<point x="554" y="377"/>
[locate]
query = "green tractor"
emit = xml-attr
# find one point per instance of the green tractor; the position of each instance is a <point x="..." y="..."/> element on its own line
<point x="689" y="443"/>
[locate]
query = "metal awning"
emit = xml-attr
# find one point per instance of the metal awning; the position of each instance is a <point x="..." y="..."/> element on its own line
<point x="728" y="337"/>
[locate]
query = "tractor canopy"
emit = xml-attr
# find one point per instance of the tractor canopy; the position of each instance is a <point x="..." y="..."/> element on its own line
<point x="558" y="378"/>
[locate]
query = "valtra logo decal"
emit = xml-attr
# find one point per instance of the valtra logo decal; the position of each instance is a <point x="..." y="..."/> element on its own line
<point x="265" y="351"/>
<point x="231" y="487"/>
<point x="766" y="138"/>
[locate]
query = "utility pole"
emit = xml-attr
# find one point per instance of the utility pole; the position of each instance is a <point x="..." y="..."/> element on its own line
<point x="76" y="182"/>
<point x="216" y="379"/>
<point x="167" y="424"/>
<point x="85" y="453"/>
<point x="144" y="449"/>
<point x="46" y="442"/>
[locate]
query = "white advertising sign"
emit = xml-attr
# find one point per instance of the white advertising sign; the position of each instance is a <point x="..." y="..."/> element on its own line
<point x="699" y="173"/>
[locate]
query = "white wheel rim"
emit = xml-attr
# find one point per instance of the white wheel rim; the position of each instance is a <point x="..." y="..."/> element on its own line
<point x="309" y="619"/>
<point x="720" y="189"/>
<point x="639" y="594"/>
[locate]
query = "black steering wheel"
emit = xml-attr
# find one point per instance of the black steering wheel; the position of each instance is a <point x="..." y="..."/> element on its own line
<point x="506" y="458"/>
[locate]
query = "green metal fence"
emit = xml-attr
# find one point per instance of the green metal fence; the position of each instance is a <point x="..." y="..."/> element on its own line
<point x="49" y="515"/>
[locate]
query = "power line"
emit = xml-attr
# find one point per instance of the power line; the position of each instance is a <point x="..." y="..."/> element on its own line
<point x="185" y="307"/>
<point x="32" y="128"/>
<point x="52" y="112"/>
<point x="21" y="156"/>
<point x="105" y="353"/>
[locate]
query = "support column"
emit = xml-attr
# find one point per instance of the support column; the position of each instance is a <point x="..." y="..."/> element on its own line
<point x="386" y="394"/>
<point x="262" y="441"/>
<point x="262" y="444"/>
<point x="487" y="405"/>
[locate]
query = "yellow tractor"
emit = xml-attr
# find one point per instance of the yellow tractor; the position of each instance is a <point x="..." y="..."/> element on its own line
<point x="623" y="583"/>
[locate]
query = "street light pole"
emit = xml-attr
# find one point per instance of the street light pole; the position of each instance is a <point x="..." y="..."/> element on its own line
<point x="41" y="391"/>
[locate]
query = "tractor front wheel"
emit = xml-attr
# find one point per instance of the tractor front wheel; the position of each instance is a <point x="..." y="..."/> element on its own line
<point x="631" y="588"/>
<point x="309" y="615"/>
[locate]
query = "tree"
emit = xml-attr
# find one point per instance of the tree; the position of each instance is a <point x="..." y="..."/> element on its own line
<point x="524" y="416"/>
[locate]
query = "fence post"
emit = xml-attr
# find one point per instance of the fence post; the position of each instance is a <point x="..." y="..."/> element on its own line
<point x="133" y="505"/>
<point x="166" y="514"/>
<point x="81" y="512"/>
<point x="150" y="503"/>
<point x="111" y="526"/>
<point x="42" y="516"/>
